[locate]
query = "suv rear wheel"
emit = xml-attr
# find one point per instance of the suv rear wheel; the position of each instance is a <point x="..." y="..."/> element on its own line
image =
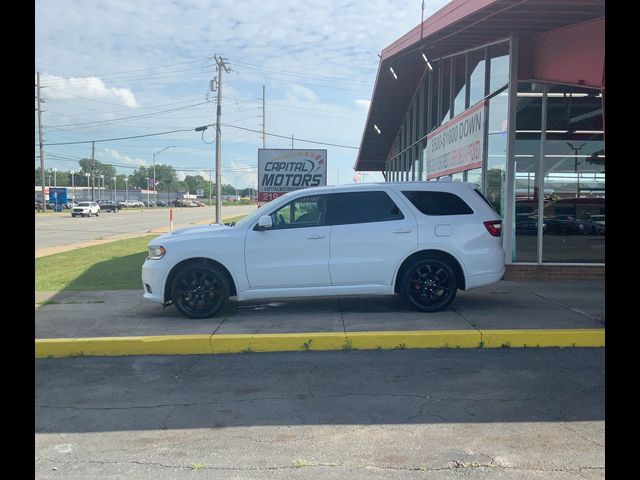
<point x="429" y="285"/>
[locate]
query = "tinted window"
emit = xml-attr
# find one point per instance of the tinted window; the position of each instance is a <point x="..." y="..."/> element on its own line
<point x="438" y="203"/>
<point x="302" y="212"/>
<point x="361" y="207"/>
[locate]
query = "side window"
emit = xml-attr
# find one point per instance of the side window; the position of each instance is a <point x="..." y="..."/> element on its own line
<point x="438" y="203"/>
<point x="299" y="213"/>
<point x="361" y="207"/>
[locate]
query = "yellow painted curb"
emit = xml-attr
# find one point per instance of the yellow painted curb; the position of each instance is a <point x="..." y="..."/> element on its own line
<point x="414" y="339"/>
<point x="116" y="346"/>
<point x="543" y="338"/>
<point x="288" y="342"/>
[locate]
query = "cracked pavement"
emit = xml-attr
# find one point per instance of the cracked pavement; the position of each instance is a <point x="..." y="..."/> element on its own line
<point x="441" y="414"/>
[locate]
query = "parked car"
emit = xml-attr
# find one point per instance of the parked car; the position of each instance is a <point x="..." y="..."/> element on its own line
<point x="160" y="203"/>
<point x="594" y="225"/>
<point x="422" y="240"/>
<point x="86" y="209"/>
<point x="39" y="205"/>
<point x="109" y="206"/>
<point x="564" y="225"/>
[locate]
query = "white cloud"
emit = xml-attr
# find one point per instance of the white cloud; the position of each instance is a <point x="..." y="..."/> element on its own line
<point x="360" y="102"/>
<point x="89" y="87"/>
<point x="117" y="157"/>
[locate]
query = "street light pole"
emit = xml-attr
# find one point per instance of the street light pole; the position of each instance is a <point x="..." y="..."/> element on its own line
<point x="87" y="175"/>
<point x="114" y="189"/>
<point x="575" y="163"/>
<point x="55" y="179"/>
<point x="147" y="191"/>
<point x="126" y="188"/>
<point x="154" y="171"/>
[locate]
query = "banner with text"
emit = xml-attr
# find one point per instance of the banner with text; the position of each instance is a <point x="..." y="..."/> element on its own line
<point x="285" y="170"/>
<point x="457" y="145"/>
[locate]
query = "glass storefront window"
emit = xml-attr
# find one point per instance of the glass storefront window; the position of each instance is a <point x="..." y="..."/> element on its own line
<point x="499" y="66"/>
<point x="445" y="91"/>
<point x="476" y="77"/>
<point x="574" y="178"/>
<point x="497" y="150"/>
<point x="527" y="165"/>
<point x="459" y="82"/>
<point x="475" y="176"/>
<point x="434" y="84"/>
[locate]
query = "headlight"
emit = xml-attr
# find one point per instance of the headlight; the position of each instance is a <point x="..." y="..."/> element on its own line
<point x="156" y="252"/>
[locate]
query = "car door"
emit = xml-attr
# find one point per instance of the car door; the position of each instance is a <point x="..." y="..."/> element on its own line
<point x="294" y="252"/>
<point x="371" y="232"/>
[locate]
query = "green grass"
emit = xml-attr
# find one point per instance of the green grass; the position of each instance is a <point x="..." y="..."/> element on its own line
<point x="110" y="266"/>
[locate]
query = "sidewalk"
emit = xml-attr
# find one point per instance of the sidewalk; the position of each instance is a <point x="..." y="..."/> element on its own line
<point x="520" y="308"/>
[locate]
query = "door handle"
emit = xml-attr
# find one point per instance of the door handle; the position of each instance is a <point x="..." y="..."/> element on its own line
<point x="402" y="231"/>
<point x="316" y="237"/>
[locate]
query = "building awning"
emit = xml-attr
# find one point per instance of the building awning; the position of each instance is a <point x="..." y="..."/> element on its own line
<point x="458" y="26"/>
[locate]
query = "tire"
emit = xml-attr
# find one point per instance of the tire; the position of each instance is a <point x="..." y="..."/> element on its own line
<point x="73" y="215"/>
<point x="89" y="214"/>
<point x="429" y="285"/>
<point x="200" y="290"/>
<point x="98" y="213"/>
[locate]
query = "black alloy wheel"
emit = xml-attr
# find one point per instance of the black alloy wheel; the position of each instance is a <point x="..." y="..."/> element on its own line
<point x="200" y="291"/>
<point x="429" y="285"/>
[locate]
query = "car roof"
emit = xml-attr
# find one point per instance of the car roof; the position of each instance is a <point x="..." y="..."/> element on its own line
<point x="350" y="187"/>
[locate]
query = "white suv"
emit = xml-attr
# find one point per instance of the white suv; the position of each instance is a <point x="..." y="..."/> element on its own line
<point x="85" y="209"/>
<point x="422" y="240"/>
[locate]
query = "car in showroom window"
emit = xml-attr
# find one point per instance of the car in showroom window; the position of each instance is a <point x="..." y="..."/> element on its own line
<point x="421" y="240"/>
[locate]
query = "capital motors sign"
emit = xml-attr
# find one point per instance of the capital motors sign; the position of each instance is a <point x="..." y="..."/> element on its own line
<point x="285" y="170"/>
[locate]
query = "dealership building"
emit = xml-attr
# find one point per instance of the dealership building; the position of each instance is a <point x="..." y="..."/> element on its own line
<point x="508" y="94"/>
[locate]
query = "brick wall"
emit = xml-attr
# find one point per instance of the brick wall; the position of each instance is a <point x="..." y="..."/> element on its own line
<point x="538" y="272"/>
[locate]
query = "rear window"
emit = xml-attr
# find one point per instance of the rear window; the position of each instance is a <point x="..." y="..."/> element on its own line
<point x="361" y="207"/>
<point x="438" y="203"/>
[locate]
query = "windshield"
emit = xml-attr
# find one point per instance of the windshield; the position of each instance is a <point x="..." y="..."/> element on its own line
<point x="83" y="204"/>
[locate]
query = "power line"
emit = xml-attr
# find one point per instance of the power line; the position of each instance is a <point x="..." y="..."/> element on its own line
<point x="143" y="115"/>
<point x="122" y="138"/>
<point x="288" y="138"/>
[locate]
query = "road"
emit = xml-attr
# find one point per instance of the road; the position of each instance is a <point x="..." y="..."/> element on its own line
<point x="535" y="413"/>
<point x="58" y="229"/>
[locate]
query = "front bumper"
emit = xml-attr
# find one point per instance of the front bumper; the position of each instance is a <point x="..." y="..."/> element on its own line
<point x="154" y="274"/>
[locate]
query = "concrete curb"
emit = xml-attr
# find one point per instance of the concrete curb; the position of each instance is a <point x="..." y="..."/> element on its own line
<point x="287" y="342"/>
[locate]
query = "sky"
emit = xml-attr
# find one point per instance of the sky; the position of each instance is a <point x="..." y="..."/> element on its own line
<point x="122" y="68"/>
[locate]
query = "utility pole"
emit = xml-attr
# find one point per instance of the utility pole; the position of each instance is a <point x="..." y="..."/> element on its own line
<point x="44" y="201"/>
<point x="210" y="187"/>
<point x="292" y="141"/>
<point x="264" y="118"/>
<point x="221" y="67"/>
<point x="93" y="171"/>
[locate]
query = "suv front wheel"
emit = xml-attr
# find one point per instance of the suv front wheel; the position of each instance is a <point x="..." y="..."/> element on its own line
<point x="429" y="285"/>
<point x="200" y="291"/>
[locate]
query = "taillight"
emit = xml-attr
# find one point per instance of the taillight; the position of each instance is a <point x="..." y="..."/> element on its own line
<point x="494" y="227"/>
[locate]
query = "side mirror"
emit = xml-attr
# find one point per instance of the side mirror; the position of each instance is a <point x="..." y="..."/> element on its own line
<point x="264" y="222"/>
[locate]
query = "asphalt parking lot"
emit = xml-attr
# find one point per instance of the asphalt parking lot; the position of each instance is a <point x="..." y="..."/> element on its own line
<point x="440" y="414"/>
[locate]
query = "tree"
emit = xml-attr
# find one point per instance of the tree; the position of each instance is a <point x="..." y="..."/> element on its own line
<point x="98" y="168"/>
<point x="193" y="182"/>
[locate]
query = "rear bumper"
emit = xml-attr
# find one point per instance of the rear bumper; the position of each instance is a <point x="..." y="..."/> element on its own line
<point x="477" y="281"/>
